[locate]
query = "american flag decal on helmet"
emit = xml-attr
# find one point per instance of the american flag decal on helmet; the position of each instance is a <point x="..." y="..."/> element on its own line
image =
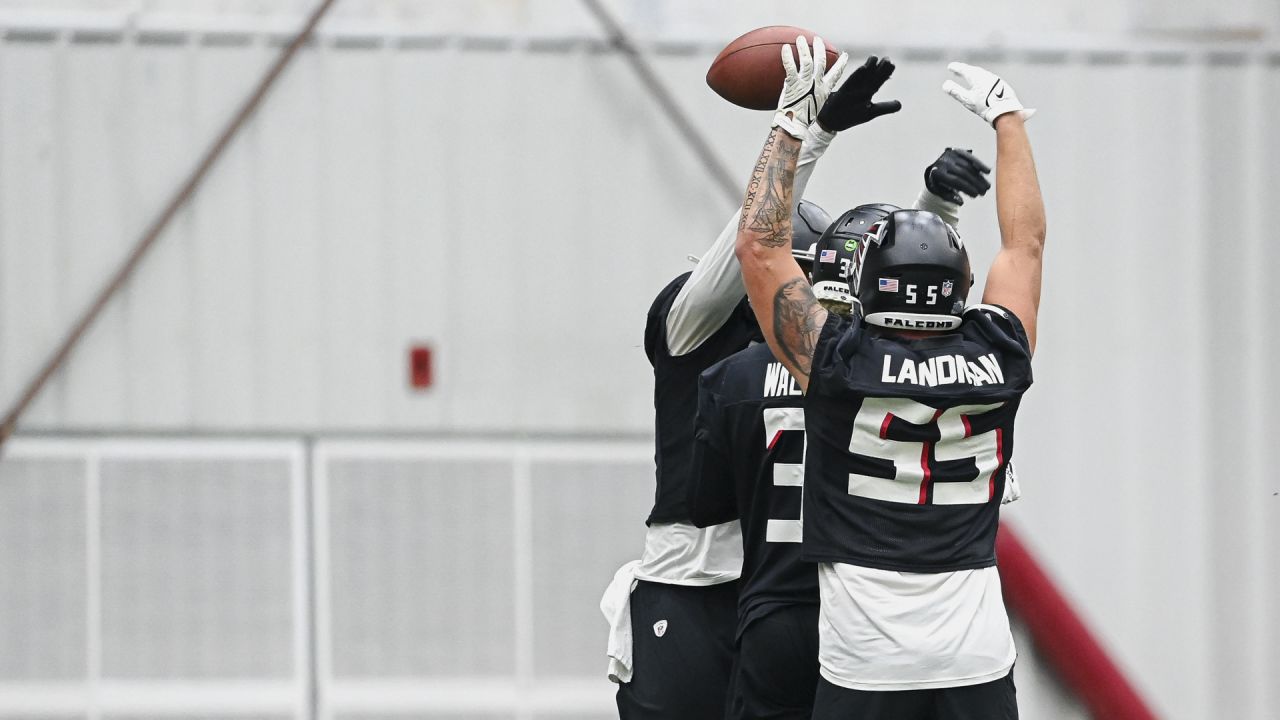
<point x="888" y="284"/>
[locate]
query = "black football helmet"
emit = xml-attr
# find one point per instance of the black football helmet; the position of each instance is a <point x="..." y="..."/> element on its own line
<point x="807" y="225"/>
<point x="835" y="254"/>
<point x="912" y="273"/>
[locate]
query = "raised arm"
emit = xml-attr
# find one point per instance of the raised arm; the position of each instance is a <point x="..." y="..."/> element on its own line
<point x="1014" y="279"/>
<point x="789" y="315"/>
<point x="714" y="288"/>
<point x="953" y="173"/>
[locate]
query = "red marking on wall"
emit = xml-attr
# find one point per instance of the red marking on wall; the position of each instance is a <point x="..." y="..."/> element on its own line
<point x="420" y="370"/>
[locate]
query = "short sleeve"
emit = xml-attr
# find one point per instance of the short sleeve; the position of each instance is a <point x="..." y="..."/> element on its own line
<point x="733" y="333"/>
<point x="655" y="333"/>
<point x="835" y="344"/>
<point x="1000" y="326"/>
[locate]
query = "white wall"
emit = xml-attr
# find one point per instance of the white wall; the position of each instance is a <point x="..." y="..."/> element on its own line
<point x="519" y="206"/>
<point x="979" y="21"/>
<point x="357" y="215"/>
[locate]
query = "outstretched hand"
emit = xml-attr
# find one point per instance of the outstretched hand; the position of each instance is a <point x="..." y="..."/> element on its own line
<point x="988" y="96"/>
<point x="955" y="172"/>
<point x="805" y="87"/>
<point x="851" y="104"/>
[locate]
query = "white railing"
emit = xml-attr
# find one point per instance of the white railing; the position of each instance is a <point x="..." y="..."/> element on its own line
<point x="97" y="690"/>
<point x="388" y="590"/>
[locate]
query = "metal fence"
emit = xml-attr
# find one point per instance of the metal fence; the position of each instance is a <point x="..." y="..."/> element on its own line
<point x="311" y="579"/>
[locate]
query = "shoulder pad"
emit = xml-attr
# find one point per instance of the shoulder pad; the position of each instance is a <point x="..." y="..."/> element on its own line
<point x="980" y="307"/>
<point x="1007" y="322"/>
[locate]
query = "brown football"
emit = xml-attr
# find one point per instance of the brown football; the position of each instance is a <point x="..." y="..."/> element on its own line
<point x="748" y="71"/>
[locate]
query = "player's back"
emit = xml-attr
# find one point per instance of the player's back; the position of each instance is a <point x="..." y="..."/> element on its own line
<point x="908" y="441"/>
<point x="749" y="460"/>
<point x="675" y="394"/>
<point x="679" y="601"/>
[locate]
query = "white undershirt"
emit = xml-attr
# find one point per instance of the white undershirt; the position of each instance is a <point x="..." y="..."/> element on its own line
<point x="941" y="207"/>
<point x="886" y="630"/>
<point x="681" y="554"/>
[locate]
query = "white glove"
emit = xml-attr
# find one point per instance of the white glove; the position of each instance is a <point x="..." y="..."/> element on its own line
<point x="826" y="84"/>
<point x="798" y="105"/>
<point x="988" y="96"/>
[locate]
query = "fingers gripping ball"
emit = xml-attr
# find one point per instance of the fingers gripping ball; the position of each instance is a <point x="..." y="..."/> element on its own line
<point x="747" y="72"/>
<point x="799" y="102"/>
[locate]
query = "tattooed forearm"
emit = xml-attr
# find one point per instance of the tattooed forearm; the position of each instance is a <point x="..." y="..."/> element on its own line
<point x="789" y="315"/>
<point x="757" y="177"/>
<point x="797" y="322"/>
<point x="766" y="211"/>
<point x="772" y="219"/>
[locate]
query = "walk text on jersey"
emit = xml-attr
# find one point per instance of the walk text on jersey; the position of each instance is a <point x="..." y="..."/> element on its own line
<point x="778" y="381"/>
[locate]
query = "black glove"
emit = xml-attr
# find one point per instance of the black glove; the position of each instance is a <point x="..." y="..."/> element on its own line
<point x="851" y="104"/>
<point x="955" y="172"/>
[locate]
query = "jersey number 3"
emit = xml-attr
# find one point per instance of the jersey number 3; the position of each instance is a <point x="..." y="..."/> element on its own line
<point x="917" y="476"/>
<point x="776" y="422"/>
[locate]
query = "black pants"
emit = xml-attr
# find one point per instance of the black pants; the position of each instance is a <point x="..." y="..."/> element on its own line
<point x="776" y="671"/>
<point x="682" y="651"/>
<point x="995" y="700"/>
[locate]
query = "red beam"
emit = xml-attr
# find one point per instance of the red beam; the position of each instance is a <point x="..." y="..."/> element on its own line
<point x="1061" y="636"/>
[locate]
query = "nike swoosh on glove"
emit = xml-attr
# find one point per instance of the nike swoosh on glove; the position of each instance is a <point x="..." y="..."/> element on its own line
<point x="988" y="96"/>
<point x="798" y="104"/>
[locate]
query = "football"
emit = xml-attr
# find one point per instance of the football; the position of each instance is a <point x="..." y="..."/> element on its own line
<point x="748" y="71"/>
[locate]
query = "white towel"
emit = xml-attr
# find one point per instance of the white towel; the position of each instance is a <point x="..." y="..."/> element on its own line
<point x="616" y="606"/>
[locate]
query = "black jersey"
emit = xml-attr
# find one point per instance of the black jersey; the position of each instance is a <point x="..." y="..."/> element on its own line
<point x="675" y="395"/>
<point x="908" y="440"/>
<point x="749" y="456"/>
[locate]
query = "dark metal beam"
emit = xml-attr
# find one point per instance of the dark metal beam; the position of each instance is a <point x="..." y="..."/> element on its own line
<point x="157" y="227"/>
<point x="733" y="189"/>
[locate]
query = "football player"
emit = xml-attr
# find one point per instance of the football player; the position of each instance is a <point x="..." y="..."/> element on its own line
<point x="748" y="465"/>
<point x="674" y="612"/>
<point x="910" y="407"/>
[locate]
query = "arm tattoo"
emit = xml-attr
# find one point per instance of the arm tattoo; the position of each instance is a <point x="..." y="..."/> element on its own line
<point x="797" y="322"/>
<point x="757" y="176"/>
<point x="768" y="201"/>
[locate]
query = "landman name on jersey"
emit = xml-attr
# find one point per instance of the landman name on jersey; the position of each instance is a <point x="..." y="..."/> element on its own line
<point x="944" y="370"/>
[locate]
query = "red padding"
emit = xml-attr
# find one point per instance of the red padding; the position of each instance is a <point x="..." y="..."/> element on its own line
<point x="1060" y="636"/>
